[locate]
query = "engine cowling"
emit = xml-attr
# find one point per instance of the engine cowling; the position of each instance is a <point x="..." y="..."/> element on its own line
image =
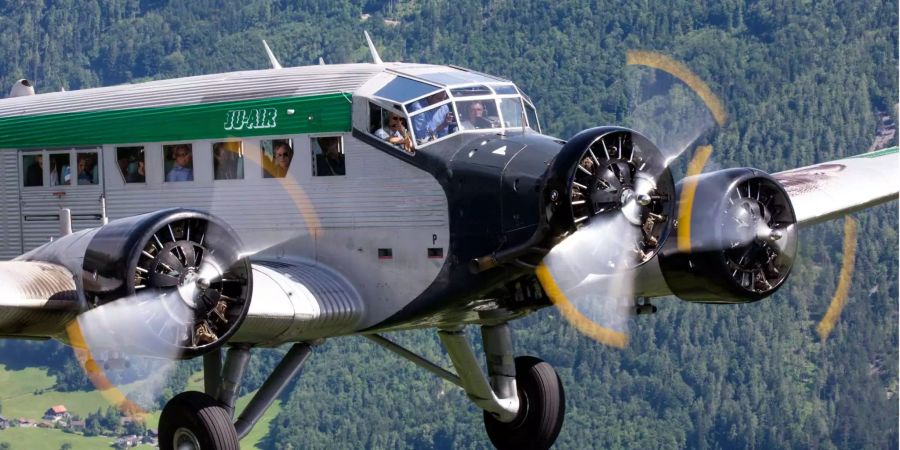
<point x="739" y="242"/>
<point x="180" y="271"/>
<point x="612" y="170"/>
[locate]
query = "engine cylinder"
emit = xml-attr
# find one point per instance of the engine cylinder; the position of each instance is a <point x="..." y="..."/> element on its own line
<point x="735" y="239"/>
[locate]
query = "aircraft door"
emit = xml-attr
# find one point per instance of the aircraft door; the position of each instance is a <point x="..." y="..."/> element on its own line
<point x="54" y="179"/>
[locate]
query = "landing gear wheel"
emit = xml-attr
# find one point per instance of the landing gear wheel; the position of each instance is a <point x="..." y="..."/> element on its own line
<point x="541" y="411"/>
<point x="195" y="421"/>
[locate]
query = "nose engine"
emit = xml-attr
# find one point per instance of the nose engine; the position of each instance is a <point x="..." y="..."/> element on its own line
<point x="608" y="171"/>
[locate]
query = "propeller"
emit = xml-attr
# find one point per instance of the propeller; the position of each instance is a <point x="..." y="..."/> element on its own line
<point x="623" y="207"/>
<point x="618" y="204"/>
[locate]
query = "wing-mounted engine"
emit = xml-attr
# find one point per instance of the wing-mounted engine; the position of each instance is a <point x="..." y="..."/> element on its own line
<point x="186" y="285"/>
<point x="739" y="242"/>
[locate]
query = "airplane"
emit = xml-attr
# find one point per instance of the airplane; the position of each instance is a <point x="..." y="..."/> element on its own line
<point x="290" y="205"/>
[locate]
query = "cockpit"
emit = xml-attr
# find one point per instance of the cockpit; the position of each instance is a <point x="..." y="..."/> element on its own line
<point x="413" y="112"/>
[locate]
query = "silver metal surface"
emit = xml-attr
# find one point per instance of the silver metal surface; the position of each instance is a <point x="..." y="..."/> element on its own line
<point x="824" y="191"/>
<point x="65" y="221"/>
<point x="37" y="300"/>
<point x="414" y="358"/>
<point x="501" y="364"/>
<point x="10" y="218"/>
<point x="473" y="380"/>
<point x="236" y="360"/>
<point x="297" y="300"/>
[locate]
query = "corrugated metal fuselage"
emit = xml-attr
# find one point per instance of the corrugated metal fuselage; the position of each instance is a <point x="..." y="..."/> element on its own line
<point x="401" y="228"/>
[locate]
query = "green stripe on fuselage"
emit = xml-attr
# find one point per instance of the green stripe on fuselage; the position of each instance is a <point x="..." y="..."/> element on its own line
<point x="876" y="154"/>
<point x="310" y="114"/>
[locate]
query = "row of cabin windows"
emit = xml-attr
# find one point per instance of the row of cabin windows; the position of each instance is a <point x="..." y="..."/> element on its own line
<point x="275" y="159"/>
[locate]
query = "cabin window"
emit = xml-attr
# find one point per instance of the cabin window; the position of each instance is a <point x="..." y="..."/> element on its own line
<point x="88" y="169"/>
<point x="178" y="163"/>
<point x="33" y="169"/>
<point x="390" y="126"/>
<point x="277" y="155"/>
<point x="228" y="161"/>
<point x="131" y="164"/>
<point x="328" y="156"/>
<point x="60" y="169"/>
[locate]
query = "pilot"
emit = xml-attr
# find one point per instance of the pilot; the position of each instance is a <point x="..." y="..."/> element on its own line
<point x="436" y="123"/>
<point x="395" y="132"/>
<point x="475" y="117"/>
<point x="183" y="169"/>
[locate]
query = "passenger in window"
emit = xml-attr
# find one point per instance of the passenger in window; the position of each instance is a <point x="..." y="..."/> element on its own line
<point x="227" y="163"/>
<point x="475" y="117"/>
<point x="183" y="164"/>
<point x="395" y="132"/>
<point x="284" y="154"/>
<point x="138" y="175"/>
<point x="85" y="170"/>
<point x="331" y="160"/>
<point x="34" y="173"/>
<point x="436" y="123"/>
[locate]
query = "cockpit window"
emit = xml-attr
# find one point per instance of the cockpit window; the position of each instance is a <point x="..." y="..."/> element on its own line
<point x="505" y="89"/>
<point x="403" y="90"/>
<point x="470" y="91"/>
<point x="511" y="111"/>
<point x="434" y="118"/>
<point x="532" y="117"/>
<point x="414" y="113"/>
<point x="390" y="126"/>
<point x="478" y="114"/>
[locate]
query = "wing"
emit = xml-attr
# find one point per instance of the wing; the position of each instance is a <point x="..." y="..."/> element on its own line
<point x="824" y="191"/>
<point x="37" y="299"/>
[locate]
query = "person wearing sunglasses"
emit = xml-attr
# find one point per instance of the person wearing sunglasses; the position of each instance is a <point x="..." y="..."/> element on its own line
<point x="396" y="132"/>
<point x="183" y="164"/>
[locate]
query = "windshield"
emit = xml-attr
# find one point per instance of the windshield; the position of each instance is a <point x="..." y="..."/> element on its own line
<point x="430" y="113"/>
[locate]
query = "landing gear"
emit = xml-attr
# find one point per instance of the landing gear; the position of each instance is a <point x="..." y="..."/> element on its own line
<point x="194" y="420"/>
<point x="203" y="421"/>
<point x="522" y="398"/>
<point x="542" y="406"/>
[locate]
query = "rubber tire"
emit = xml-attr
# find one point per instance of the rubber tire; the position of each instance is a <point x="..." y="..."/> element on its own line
<point x="203" y="417"/>
<point x="541" y="412"/>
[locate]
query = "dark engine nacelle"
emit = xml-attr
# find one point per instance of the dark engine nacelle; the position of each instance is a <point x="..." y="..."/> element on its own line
<point x="177" y="274"/>
<point x="738" y="243"/>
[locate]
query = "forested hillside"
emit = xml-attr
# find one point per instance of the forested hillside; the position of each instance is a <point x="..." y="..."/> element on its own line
<point x="801" y="82"/>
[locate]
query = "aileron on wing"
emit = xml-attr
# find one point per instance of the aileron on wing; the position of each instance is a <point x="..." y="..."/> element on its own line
<point x="824" y="191"/>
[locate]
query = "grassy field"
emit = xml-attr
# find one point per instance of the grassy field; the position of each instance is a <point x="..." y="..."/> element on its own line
<point x="50" y="439"/>
<point x="27" y="393"/>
